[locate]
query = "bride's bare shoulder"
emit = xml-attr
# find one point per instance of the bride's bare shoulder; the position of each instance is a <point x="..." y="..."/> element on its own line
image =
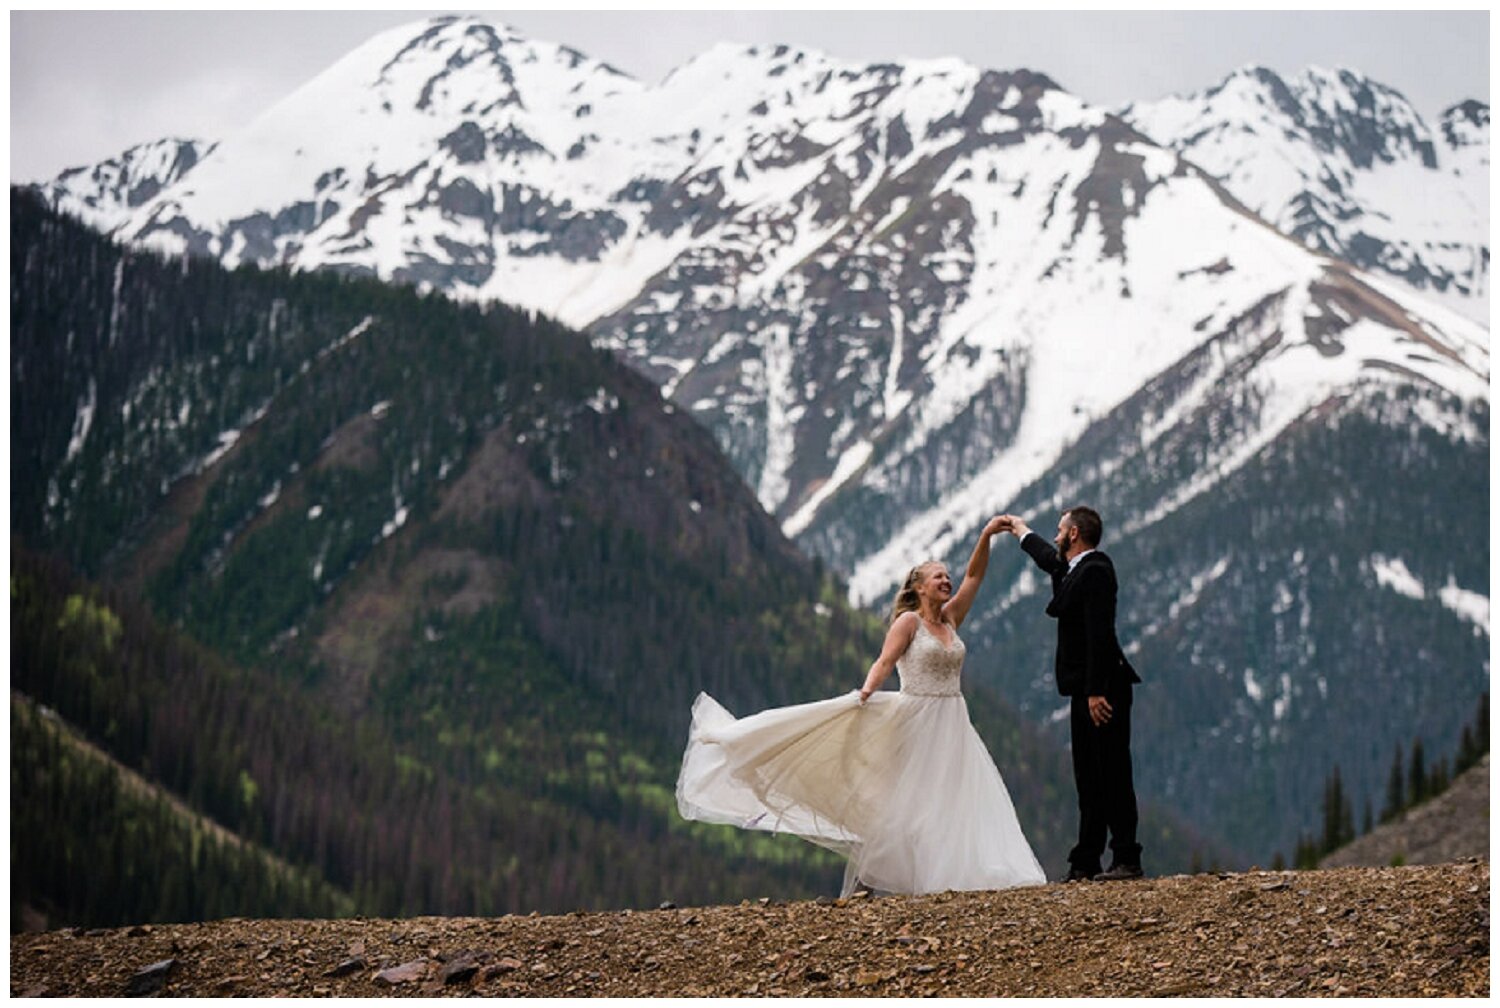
<point x="906" y="622"/>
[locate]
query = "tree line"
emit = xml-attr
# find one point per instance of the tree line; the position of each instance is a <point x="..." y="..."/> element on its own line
<point x="1410" y="783"/>
<point x="90" y="851"/>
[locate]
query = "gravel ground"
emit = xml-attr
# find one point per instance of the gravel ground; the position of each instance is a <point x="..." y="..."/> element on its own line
<point x="1386" y="932"/>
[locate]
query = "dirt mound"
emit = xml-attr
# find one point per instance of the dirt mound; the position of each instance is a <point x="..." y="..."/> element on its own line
<point x="1453" y="825"/>
<point x="1351" y="931"/>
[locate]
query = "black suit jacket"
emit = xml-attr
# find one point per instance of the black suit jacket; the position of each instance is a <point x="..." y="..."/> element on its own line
<point x="1089" y="659"/>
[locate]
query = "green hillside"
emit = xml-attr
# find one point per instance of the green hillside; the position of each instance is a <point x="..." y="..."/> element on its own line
<point x="433" y="584"/>
<point x="94" y="844"/>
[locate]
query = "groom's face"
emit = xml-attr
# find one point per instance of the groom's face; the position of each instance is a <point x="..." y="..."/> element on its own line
<point x="1067" y="535"/>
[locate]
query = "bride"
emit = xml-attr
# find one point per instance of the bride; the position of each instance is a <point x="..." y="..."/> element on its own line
<point x="899" y="783"/>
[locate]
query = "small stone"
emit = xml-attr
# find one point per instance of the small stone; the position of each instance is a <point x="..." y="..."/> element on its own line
<point x="458" y="972"/>
<point x="225" y="983"/>
<point x="507" y="964"/>
<point x="351" y="965"/>
<point x="150" y="979"/>
<point x="405" y="973"/>
<point x="139" y="931"/>
<point x="667" y="905"/>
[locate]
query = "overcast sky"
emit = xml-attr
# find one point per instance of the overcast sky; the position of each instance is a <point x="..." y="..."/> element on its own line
<point x="86" y="85"/>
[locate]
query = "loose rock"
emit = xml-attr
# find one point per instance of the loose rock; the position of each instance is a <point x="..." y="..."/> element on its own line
<point x="346" y="967"/>
<point x="405" y="973"/>
<point x="150" y="979"/>
<point x="458" y="971"/>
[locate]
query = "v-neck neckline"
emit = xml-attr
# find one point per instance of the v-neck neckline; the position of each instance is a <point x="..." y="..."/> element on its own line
<point x="947" y="645"/>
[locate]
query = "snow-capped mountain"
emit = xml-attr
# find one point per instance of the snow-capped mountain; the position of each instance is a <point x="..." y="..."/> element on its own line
<point x="907" y="297"/>
<point x="107" y="192"/>
<point x="1348" y="167"/>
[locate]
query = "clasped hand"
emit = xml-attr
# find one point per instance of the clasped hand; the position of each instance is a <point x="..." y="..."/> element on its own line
<point x="1006" y="523"/>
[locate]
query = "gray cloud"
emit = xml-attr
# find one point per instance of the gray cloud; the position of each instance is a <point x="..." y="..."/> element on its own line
<point x="86" y="85"/>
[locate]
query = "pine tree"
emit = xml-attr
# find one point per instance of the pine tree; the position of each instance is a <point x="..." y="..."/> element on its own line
<point x="1306" y="855"/>
<point x="1416" y="776"/>
<point x="1468" y="751"/>
<point x="1395" y="789"/>
<point x="1480" y="734"/>
<point x="1338" y="816"/>
<point x="1437" y="782"/>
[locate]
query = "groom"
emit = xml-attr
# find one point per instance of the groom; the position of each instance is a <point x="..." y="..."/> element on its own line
<point x="1092" y="670"/>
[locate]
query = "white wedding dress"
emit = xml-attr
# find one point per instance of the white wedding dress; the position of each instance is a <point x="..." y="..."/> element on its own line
<point x="903" y="786"/>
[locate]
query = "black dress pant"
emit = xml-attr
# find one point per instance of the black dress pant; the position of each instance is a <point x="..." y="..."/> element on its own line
<point x="1106" y="791"/>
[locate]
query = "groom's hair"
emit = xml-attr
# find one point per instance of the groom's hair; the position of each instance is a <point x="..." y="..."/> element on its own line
<point x="1088" y="523"/>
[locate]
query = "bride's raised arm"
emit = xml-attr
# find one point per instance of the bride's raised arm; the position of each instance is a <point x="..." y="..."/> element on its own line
<point x="957" y="608"/>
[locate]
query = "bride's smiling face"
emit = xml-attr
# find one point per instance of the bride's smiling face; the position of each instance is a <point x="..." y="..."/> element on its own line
<point x="935" y="584"/>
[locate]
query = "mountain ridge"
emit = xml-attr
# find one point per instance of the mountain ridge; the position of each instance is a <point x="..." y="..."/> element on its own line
<point x="1347" y="166"/>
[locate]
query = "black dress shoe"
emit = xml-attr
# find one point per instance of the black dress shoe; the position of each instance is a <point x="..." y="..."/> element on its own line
<point x="1119" y="873"/>
<point x="1074" y="875"/>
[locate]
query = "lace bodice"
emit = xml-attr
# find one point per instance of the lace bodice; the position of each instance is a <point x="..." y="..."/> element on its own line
<point x="929" y="667"/>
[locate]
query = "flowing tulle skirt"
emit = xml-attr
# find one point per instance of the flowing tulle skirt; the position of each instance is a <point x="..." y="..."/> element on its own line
<point x="903" y="786"/>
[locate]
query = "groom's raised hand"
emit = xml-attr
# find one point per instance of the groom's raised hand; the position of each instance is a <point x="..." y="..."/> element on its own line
<point x="1016" y="526"/>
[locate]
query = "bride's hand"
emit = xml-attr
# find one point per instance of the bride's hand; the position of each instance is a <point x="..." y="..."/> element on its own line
<point x="864" y="694"/>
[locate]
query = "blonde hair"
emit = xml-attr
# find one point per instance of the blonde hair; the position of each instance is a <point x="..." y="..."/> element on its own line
<point x="906" y="598"/>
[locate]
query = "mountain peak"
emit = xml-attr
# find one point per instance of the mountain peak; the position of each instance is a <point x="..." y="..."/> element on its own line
<point x="109" y="190"/>
<point x="1466" y="124"/>
<point x="1345" y="164"/>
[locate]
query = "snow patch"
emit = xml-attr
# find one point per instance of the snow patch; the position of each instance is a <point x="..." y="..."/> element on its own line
<point x="83" y="422"/>
<point x="1392" y="573"/>
<point x="850" y="462"/>
<point x="1467" y="605"/>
